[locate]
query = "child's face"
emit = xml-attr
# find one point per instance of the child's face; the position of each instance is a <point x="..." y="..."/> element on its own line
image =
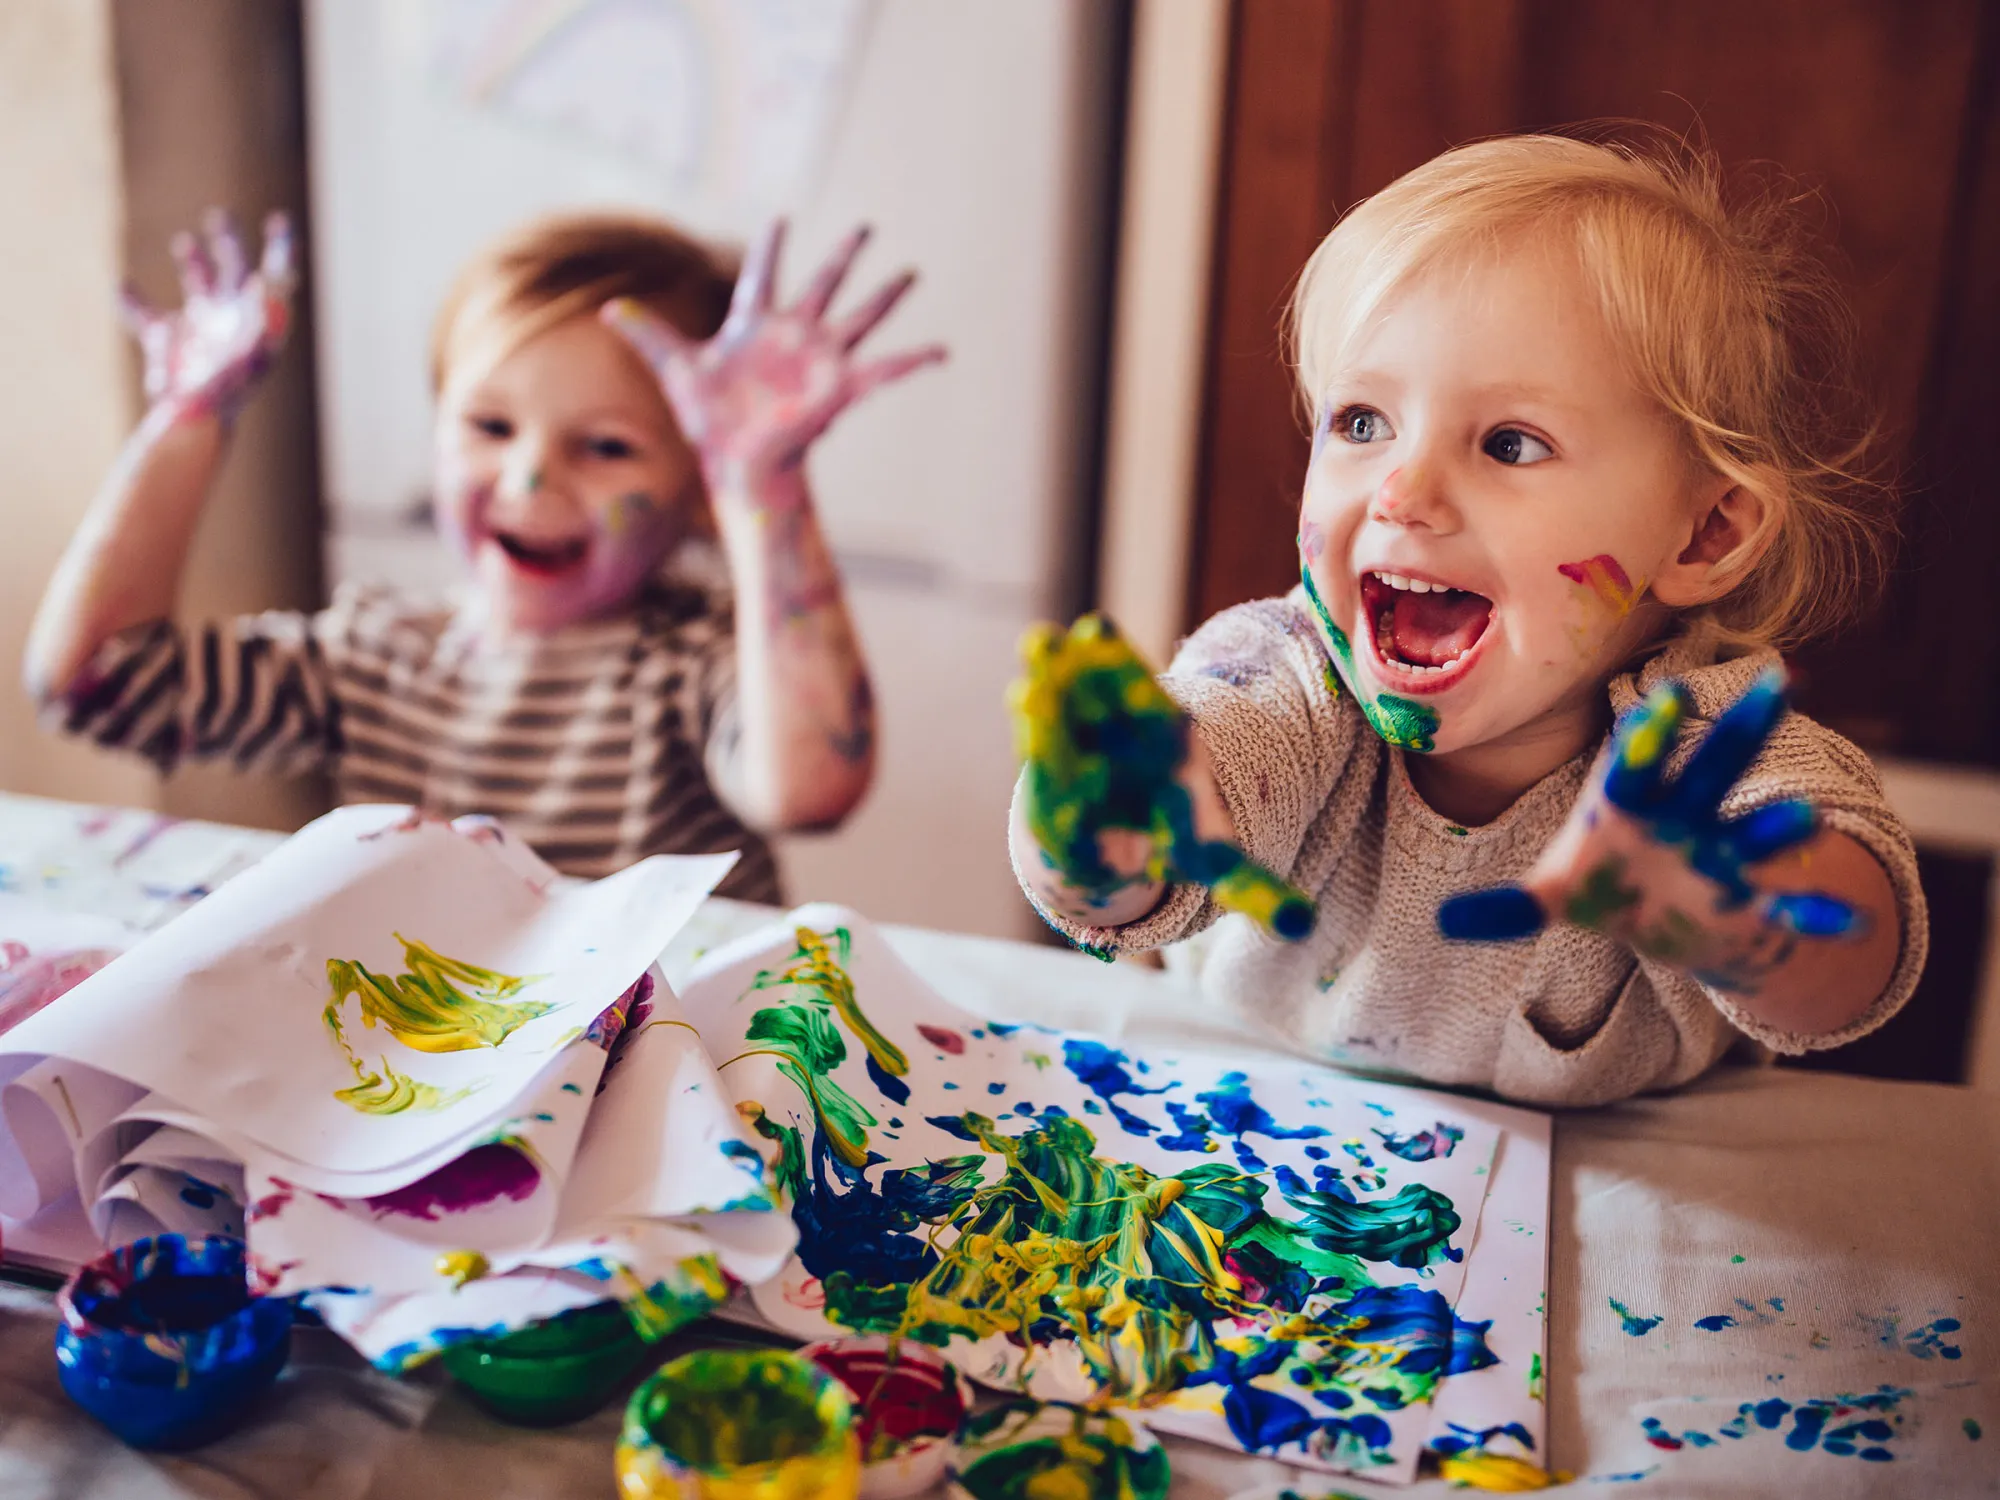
<point x="1489" y="496"/>
<point x="561" y="477"/>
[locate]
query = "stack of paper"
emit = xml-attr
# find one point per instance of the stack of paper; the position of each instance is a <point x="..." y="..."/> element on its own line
<point x="1276" y="1257"/>
<point x="437" y="1089"/>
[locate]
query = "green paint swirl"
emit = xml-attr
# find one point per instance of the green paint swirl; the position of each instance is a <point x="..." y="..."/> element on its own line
<point x="426" y="1009"/>
<point x="1399" y="721"/>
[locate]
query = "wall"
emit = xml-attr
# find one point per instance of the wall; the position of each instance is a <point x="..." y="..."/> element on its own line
<point x="65" y="395"/>
<point x="123" y="121"/>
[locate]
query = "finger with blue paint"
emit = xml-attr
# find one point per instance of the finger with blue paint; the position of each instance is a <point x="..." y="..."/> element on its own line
<point x="1106" y="785"/>
<point x="1650" y="858"/>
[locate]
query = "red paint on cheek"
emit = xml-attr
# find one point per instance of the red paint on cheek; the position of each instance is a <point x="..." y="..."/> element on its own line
<point x="1605" y="577"/>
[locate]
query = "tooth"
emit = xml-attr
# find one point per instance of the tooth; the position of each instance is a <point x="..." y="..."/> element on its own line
<point x="1418" y="586"/>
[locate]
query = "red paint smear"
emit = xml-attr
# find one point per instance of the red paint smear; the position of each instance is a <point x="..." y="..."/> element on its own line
<point x="1605" y="563"/>
<point x="943" y="1040"/>
<point x="897" y="1404"/>
<point x="1669" y="1444"/>
<point x="272" y="1203"/>
<point x="483" y="1175"/>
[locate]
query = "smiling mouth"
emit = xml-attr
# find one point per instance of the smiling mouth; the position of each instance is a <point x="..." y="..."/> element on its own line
<point x="543" y="557"/>
<point x="1423" y="629"/>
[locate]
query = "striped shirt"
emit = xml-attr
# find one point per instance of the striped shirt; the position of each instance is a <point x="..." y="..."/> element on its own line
<point x="594" y="743"/>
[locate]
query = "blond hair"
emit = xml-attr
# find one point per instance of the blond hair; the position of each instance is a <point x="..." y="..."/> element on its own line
<point x="1724" y="318"/>
<point x="570" y="265"/>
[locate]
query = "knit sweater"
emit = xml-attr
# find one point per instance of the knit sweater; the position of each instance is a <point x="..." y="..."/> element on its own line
<point x="1568" y="1017"/>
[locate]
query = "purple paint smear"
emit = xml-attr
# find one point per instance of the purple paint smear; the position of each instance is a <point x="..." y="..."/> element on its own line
<point x="485" y="1174"/>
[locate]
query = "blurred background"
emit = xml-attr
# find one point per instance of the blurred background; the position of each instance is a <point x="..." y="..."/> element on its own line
<point x="1108" y="200"/>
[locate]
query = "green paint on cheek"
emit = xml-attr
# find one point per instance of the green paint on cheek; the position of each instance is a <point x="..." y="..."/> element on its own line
<point x="1399" y="721"/>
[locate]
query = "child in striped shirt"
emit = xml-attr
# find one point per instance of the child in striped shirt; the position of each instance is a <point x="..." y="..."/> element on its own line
<point x="611" y="402"/>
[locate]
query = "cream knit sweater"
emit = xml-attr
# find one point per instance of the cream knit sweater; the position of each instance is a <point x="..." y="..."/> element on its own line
<point x="1567" y="1017"/>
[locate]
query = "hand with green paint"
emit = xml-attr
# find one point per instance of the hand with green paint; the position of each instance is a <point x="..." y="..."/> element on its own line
<point x="1651" y="859"/>
<point x="1117" y="796"/>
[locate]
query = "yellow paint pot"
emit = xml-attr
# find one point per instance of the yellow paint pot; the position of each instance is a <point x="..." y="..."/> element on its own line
<point x="739" y="1424"/>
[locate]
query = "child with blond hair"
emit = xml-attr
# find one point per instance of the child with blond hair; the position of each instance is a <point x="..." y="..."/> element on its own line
<point x="1579" y="465"/>
<point x="611" y="400"/>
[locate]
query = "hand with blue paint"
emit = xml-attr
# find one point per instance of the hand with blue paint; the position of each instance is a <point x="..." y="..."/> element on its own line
<point x="1650" y="859"/>
<point x="1116" y="795"/>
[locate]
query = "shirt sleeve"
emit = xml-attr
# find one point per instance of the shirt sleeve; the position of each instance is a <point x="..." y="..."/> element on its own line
<point x="1259" y="689"/>
<point x="254" y="691"/>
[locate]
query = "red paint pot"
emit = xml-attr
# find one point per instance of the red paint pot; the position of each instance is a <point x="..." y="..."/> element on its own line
<point x="908" y="1403"/>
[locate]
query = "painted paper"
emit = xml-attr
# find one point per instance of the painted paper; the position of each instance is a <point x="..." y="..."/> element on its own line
<point x="1233" y="1249"/>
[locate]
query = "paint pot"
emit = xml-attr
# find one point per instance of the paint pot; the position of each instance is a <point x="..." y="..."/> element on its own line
<point x="163" y="1343"/>
<point x="908" y="1404"/>
<point x="739" y="1424"/>
<point x="552" y="1372"/>
<point x="1031" y="1448"/>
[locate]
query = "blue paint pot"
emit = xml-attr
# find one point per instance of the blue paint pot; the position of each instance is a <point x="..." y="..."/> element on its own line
<point x="163" y="1343"/>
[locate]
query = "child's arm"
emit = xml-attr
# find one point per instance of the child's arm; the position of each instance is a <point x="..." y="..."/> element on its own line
<point x="795" y="747"/>
<point x="1118" y="794"/>
<point x="1796" y="923"/>
<point x="123" y="566"/>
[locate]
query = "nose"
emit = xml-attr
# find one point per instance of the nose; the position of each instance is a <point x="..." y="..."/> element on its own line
<point x="524" y="471"/>
<point x="1413" y="494"/>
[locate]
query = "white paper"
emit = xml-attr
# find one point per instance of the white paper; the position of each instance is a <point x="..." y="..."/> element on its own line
<point x="222" y="1012"/>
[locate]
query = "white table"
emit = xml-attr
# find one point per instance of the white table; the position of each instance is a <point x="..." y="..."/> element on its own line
<point x="1849" y="1216"/>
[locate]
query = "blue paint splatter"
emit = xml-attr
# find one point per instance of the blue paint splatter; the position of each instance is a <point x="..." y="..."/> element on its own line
<point x="1633" y="1324"/>
<point x="1380" y="1109"/>
<point x="1101" y="1069"/>
<point x="1235" y="1113"/>
<point x="1847" y="1426"/>
<point x="1715" y="1322"/>
<point x="1191" y="1129"/>
<point x="1478" y="1439"/>
<point x="894" y="1089"/>
<point x="949" y="1084"/>
<point x="1926" y="1342"/>
<point x="1318" y="1153"/>
<point x="1423" y="1145"/>
<point x="572" y="1088"/>
<point x="994" y="1088"/>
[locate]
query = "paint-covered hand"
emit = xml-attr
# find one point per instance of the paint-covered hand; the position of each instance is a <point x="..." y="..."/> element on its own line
<point x="753" y="398"/>
<point x="207" y="356"/>
<point x="1651" y="860"/>
<point x="1105" y="788"/>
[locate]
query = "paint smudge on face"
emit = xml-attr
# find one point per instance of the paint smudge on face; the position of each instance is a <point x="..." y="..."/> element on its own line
<point x="1632" y="1323"/>
<point x="1423" y="1145"/>
<point x="1102" y="1070"/>
<point x="629" y="513"/>
<point x="1847" y="1426"/>
<point x="1398" y="721"/>
<point x="486" y="1174"/>
<point x="1607" y="581"/>
<point x="942" y="1038"/>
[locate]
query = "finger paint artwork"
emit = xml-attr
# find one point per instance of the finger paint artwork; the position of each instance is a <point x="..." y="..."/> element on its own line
<point x="1237" y="1252"/>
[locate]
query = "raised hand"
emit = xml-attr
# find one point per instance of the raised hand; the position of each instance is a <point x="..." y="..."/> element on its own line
<point x="1106" y="794"/>
<point x="1651" y="861"/>
<point x="755" y="397"/>
<point x="207" y="356"/>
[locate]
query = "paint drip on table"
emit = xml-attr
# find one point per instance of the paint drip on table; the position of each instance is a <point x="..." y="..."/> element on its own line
<point x="1261" y="1260"/>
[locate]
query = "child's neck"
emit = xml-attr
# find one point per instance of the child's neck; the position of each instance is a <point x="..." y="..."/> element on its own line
<point x="1477" y="784"/>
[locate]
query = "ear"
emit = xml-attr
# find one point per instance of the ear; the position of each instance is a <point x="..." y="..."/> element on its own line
<point x="1731" y="529"/>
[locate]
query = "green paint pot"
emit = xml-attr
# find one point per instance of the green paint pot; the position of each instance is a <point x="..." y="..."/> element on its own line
<point x="550" y="1373"/>
<point x="739" y="1424"/>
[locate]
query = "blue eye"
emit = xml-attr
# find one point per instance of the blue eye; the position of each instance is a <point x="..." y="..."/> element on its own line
<point x="1361" y="424"/>
<point x="1510" y="445"/>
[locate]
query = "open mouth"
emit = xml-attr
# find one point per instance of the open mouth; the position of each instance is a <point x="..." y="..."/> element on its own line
<point x="1423" y="631"/>
<point x="543" y="557"/>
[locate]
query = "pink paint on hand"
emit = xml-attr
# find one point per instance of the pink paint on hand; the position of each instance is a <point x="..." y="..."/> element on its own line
<point x="1604" y="576"/>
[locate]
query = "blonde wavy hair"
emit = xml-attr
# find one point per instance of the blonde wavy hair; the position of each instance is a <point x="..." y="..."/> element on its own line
<point x="1723" y="313"/>
<point x="569" y="265"/>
